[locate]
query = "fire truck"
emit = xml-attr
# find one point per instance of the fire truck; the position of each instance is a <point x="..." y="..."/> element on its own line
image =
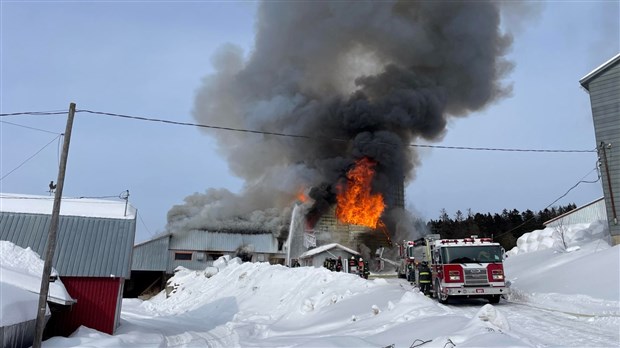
<point x="469" y="267"/>
<point x="406" y="264"/>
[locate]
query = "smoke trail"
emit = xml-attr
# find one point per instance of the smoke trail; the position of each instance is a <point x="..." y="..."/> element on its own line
<point x="378" y="75"/>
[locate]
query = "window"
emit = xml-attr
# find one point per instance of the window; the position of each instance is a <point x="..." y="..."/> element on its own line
<point x="477" y="254"/>
<point x="183" y="256"/>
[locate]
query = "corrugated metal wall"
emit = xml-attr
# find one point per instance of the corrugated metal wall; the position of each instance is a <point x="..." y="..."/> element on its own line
<point x="189" y="264"/>
<point x="222" y="241"/>
<point x="586" y="214"/>
<point x="605" y="100"/>
<point x="86" y="246"/>
<point x="97" y="305"/>
<point x="159" y="254"/>
<point x="151" y="255"/>
<point x="20" y="335"/>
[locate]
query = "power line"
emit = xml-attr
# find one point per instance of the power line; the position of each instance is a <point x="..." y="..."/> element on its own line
<point x="29" y="158"/>
<point x="33" y="128"/>
<point x="298" y="136"/>
<point x="198" y="125"/>
<point x="144" y="224"/>
<point x="36" y="113"/>
<point x="496" y="149"/>
<point x="141" y="118"/>
<point x="552" y="203"/>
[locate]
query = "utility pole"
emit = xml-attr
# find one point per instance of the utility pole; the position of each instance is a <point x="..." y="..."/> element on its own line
<point x="50" y="247"/>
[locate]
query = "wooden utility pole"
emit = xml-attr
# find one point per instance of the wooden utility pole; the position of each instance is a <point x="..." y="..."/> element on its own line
<point x="50" y="247"/>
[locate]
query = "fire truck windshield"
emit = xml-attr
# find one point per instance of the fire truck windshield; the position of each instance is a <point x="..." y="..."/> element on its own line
<point x="469" y="254"/>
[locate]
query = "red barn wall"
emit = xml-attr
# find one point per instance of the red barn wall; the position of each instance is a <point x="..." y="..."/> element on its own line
<point x="98" y="305"/>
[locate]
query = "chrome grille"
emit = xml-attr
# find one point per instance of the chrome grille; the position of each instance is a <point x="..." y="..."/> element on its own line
<point x="476" y="276"/>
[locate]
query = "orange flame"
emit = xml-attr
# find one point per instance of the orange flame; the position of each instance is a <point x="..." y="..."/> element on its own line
<point x="355" y="203"/>
<point x="301" y="196"/>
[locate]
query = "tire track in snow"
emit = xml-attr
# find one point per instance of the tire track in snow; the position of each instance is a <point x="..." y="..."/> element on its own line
<point x="552" y="328"/>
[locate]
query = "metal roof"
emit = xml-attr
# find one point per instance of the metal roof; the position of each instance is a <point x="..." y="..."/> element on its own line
<point x="86" y="246"/>
<point x="585" y="81"/>
<point x="326" y="247"/>
<point x="223" y="241"/>
<point x="151" y="255"/>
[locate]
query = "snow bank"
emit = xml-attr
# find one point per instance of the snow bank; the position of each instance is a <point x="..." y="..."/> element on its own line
<point x="561" y="237"/>
<point x="581" y="279"/>
<point x="279" y="287"/>
<point x="236" y="304"/>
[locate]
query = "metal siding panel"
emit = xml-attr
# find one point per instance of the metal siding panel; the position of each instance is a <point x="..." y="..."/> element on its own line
<point x="85" y="246"/>
<point x="105" y="254"/>
<point x="605" y="81"/>
<point x="96" y="306"/>
<point x="111" y="249"/>
<point x="605" y="100"/>
<point x="82" y="248"/>
<point x="99" y="252"/>
<point x="588" y="214"/>
<point x="128" y="241"/>
<point x="62" y="255"/>
<point x="122" y="254"/>
<point x="151" y="256"/>
<point x="42" y="227"/>
<point x="117" y="256"/>
<point x="610" y="74"/>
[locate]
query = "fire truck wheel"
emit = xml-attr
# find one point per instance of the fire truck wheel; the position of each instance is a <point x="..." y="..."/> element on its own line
<point x="494" y="299"/>
<point x="441" y="297"/>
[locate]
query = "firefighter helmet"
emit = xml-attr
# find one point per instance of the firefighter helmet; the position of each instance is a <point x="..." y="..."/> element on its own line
<point x="424" y="263"/>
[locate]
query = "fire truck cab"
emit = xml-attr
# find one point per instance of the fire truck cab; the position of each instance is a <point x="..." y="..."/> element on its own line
<point x="469" y="267"/>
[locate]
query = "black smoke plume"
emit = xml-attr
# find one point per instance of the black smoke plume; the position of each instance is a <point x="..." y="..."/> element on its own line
<point x="357" y="78"/>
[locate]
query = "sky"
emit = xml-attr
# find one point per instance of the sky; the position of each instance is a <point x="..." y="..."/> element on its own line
<point x="150" y="58"/>
<point x="236" y="304"/>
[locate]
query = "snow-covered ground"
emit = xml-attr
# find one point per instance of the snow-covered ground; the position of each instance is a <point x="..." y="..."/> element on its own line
<point x="562" y="296"/>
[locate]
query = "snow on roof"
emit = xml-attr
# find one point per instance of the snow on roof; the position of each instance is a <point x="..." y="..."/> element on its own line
<point x="22" y="268"/>
<point x="31" y="204"/>
<point x="325" y="247"/>
<point x="17" y="305"/>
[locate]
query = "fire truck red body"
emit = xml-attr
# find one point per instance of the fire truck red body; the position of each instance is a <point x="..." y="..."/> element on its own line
<point x="469" y="267"/>
<point x="406" y="267"/>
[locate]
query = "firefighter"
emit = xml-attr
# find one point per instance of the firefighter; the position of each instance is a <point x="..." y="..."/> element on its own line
<point x="366" y="271"/>
<point x="360" y="267"/>
<point x="330" y="264"/>
<point x="339" y="264"/>
<point x="425" y="278"/>
<point x="352" y="265"/>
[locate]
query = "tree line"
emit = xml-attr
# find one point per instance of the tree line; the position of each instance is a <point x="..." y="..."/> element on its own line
<point x="505" y="227"/>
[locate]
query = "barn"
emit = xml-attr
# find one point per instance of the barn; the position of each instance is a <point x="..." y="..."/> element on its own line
<point x="93" y="253"/>
<point x="154" y="261"/>
<point x="603" y="85"/>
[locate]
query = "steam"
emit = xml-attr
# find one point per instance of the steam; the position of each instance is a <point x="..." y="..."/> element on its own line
<point x="359" y="79"/>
